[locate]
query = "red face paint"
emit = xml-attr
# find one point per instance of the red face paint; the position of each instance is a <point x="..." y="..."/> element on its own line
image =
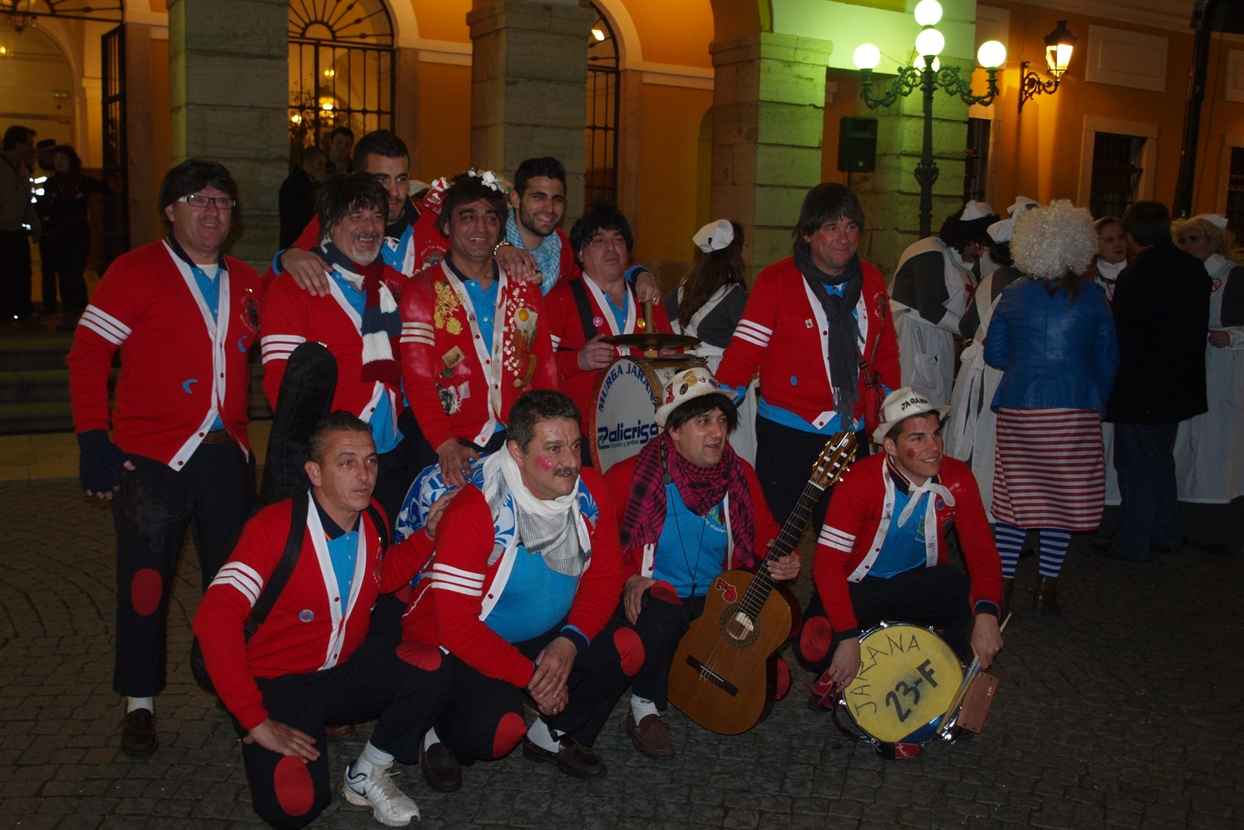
<point x="545" y="464"/>
<point x="911" y="453"/>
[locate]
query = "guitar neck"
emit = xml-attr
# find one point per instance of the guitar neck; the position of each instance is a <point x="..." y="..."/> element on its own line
<point x="762" y="585"/>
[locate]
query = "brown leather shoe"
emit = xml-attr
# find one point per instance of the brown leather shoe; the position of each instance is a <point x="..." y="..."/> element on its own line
<point x="139" y="735"/>
<point x="572" y="758"/>
<point x="338" y="731"/>
<point x="651" y="735"/>
<point x="441" y="769"/>
<point x="1045" y="601"/>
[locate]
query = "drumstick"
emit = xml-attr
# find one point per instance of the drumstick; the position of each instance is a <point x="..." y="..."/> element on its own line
<point x="649" y="324"/>
<point x="973" y="670"/>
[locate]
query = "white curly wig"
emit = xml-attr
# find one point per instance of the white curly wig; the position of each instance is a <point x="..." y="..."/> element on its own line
<point x="1051" y="241"/>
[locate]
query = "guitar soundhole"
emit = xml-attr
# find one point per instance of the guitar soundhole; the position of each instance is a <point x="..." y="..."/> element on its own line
<point x="737" y="628"/>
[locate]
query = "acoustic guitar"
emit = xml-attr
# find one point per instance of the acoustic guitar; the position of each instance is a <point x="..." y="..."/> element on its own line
<point x="724" y="674"/>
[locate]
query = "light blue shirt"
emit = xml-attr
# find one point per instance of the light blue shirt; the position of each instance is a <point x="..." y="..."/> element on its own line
<point x="209" y="287"/>
<point x="692" y="549"/>
<point x="903" y="549"/>
<point x="485" y="302"/>
<point x="535" y="599"/>
<point x="343" y="551"/>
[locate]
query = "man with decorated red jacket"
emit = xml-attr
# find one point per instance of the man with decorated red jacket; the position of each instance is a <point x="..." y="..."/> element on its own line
<point x="473" y="337"/>
<point x="357" y="321"/>
<point x="183" y="316"/>
<point x="313" y="659"/>
<point x="600" y="304"/>
<point x="810" y="321"/>
<point x="521" y="595"/>
<point x="881" y="554"/>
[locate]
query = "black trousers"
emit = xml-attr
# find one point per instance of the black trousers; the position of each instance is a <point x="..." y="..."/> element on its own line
<point x="784" y="460"/>
<point x="15" y="275"/>
<point x="1149" y="510"/>
<point x="377" y="681"/>
<point x="213" y="495"/>
<point x="484" y="718"/>
<point x="937" y="596"/>
<point x="64" y="258"/>
<point x="661" y="626"/>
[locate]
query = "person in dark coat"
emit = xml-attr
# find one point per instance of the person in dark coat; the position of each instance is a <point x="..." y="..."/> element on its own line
<point x="1161" y="313"/>
<point x="66" y="242"/>
<point x="297" y="197"/>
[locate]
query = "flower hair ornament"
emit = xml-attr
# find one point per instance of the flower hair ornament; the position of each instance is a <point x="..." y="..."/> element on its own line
<point x="490" y="180"/>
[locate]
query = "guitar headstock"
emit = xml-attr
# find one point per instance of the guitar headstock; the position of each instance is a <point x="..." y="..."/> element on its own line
<point x="834" y="459"/>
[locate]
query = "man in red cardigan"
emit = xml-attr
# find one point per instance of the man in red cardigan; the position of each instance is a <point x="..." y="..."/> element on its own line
<point x="602" y="303"/>
<point x="313" y="659"/>
<point x="473" y="337"/>
<point x="692" y="508"/>
<point x="357" y="321"/>
<point x="881" y="554"/>
<point x="809" y="321"/>
<point x="183" y="316"/>
<point x="521" y="597"/>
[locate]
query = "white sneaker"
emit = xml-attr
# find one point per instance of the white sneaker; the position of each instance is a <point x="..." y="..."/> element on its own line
<point x="389" y="805"/>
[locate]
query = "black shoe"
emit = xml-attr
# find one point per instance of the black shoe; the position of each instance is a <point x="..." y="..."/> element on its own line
<point x="441" y="769"/>
<point x="572" y="758"/>
<point x="138" y="738"/>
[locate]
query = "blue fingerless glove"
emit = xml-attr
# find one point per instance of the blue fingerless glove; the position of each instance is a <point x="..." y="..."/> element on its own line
<point x="99" y="461"/>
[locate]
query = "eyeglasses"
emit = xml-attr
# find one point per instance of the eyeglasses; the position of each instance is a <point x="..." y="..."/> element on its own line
<point x="199" y="202"/>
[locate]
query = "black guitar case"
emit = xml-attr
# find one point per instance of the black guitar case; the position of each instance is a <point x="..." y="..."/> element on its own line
<point x="305" y="398"/>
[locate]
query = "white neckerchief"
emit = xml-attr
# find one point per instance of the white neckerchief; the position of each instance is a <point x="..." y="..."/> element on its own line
<point x="502" y="463"/>
<point x="917" y="493"/>
<point x="492" y="362"/>
<point x="1110" y="271"/>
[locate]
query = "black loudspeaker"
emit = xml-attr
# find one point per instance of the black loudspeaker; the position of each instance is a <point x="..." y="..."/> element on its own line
<point x="857" y="144"/>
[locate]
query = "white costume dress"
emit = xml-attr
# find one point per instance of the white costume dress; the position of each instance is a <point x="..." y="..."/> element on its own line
<point x="971" y="424"/>
<point x="1209" y="449"/>
<point x="927" y="350"/>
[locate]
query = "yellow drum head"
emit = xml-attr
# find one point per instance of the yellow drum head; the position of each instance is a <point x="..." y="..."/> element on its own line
<point x="908" y="677"/>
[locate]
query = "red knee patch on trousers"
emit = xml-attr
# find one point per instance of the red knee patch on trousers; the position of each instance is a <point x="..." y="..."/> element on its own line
<point x="815" y="638"/>
<point x="292" y="783"/>
<point x="665" y="592"/>
<point x="145" y="591"/>
<point x="420" y="655"/>
<point x="630" y="649"/>
<point x="783" y="678"/>
<point x="510" y="730"/>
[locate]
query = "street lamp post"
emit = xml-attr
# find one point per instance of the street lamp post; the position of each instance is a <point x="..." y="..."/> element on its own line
<point x="927" y="74"/>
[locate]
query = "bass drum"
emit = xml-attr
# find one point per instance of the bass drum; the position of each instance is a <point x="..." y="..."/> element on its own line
<point x="907" y="680"/>
<point x="624" y="405"/>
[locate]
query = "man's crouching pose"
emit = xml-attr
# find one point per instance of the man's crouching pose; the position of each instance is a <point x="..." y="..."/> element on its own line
<point x="311" y="661"/>
<point x="881" y="554"/>
<point x="693" y="508"/>
<point x="521" y="594"/>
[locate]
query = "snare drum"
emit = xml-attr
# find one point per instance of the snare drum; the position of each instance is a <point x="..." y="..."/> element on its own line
<point x="908" y="678"/>
<point x="624" y="405"/>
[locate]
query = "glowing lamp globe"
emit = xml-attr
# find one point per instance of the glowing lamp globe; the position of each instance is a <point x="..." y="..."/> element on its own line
<point x="991" y="55"/>
<point x="918" y="63"/>
<point x="930" y="42"/>
<point x="866" y="56"/>
<point x="928" y="12"/>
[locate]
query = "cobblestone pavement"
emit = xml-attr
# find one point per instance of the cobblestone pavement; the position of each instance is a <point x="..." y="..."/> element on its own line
<point x="1124" y="712"/>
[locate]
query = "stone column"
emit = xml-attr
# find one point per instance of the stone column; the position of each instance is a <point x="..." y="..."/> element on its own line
<point x="891" y="195"/>
<point x="529" y="87"/>
<point x="768" y="113"/>
<point x="406" y="114"/>
<point x="229" y="94"/>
